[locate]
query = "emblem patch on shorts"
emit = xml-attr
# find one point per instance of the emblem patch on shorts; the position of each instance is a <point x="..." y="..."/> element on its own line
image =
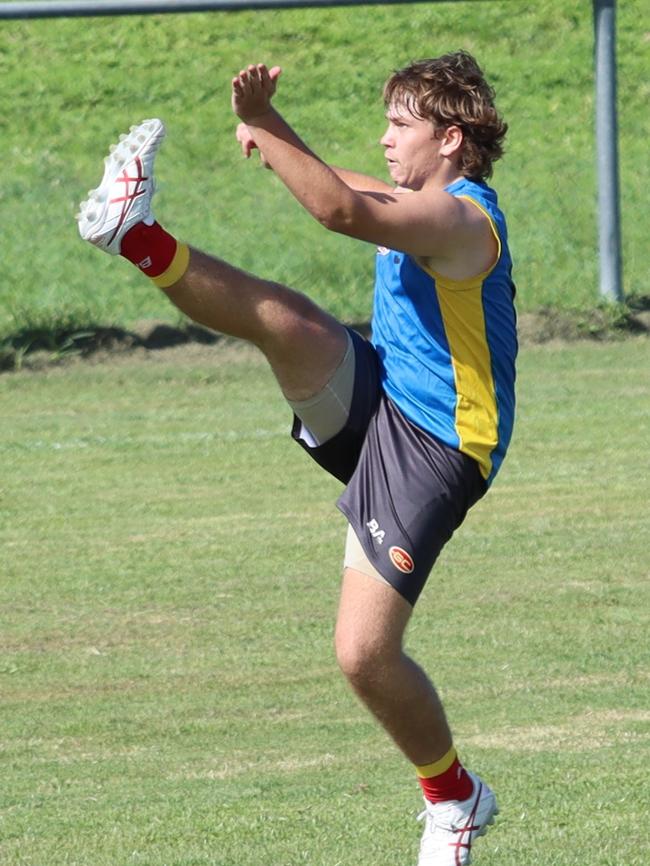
<point x="402" y="560"/>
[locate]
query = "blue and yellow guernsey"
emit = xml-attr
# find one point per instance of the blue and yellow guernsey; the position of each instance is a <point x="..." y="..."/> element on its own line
<point x="448" y="347"/>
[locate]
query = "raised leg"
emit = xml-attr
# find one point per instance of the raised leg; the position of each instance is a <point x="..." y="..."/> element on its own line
<point x="303" y="343"/>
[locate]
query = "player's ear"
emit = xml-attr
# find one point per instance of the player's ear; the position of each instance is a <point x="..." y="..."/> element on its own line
<point x="451" y="140"/>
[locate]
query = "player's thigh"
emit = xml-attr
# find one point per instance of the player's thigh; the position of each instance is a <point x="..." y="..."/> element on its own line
<point x="305" y="345"/>
<point x="332" y="425"/>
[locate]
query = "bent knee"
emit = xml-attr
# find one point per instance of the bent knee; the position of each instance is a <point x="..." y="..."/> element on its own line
<point x="362" y="659"/>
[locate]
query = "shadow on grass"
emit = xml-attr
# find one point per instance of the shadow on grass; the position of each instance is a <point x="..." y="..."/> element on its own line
<point x="52" y="345"/>
<point x="39" y="347"/>
<point x="36" y="347"/>
<point x="606" y="321"/>
<point x="639" y="303"/>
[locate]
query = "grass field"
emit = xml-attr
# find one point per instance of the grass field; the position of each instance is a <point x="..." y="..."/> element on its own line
<point x="170" y="564"/>
<point x="70" y="86"/>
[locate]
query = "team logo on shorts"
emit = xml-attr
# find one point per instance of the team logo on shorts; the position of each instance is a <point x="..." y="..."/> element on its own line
<point x="402" y="560"/>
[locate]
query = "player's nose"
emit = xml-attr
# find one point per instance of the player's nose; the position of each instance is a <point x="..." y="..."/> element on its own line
<point x="387" y="139"/>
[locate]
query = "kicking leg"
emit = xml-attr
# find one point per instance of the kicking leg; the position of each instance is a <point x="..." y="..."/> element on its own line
<point x="303" y="344"/>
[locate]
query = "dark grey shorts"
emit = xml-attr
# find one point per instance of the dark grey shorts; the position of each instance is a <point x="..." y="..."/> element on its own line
<point x="406" y="492"/>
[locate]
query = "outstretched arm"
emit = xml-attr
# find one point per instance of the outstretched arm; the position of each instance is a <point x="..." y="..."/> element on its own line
<point x="313" y="183"/>
<point x="430" y="224"/>
<point x="354" y="179"/>
<point x="362" y="182"/>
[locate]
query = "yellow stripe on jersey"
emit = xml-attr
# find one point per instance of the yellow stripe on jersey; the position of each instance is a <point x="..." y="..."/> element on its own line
<point x="461" y="307"/>
<point x="476" y="406"/>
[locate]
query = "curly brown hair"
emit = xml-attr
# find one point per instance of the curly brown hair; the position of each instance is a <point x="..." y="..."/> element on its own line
<point x="452" y="91"/>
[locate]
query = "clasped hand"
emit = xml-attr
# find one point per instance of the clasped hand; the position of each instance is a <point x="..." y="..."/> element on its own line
<point x="252" y="91"/>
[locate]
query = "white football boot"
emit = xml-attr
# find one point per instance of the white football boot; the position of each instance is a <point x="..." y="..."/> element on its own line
<point x="123" y="198"/>
<point x="451" y="827"/>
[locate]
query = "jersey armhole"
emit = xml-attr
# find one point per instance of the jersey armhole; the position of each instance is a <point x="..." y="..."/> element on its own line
<point x="471" y="282"/>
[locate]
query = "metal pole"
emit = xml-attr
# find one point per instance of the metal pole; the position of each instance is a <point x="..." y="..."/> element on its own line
<point x="84" y="8"/>
<point x="609" y="214"/>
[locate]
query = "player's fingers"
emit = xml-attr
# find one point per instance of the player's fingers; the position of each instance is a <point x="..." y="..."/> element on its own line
<point x="265" y="80"/>
<point x="245" y="81"/>
<point x="269" y="77"/>
<point x="273" y="75"/>
<point x="246" y="140"/>
<point x="254" y="75"/>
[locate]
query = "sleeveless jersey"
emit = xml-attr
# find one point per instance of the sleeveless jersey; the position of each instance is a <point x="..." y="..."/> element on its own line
<point x="447" y="348"/>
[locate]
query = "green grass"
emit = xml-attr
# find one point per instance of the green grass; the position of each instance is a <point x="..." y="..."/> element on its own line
<point x="70" y="86"/>
<point x="170" y="564"/>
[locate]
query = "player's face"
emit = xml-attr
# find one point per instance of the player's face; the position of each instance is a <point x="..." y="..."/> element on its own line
<point x="411" y="149"/>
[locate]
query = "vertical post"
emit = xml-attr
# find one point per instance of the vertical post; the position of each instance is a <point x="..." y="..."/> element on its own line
<point x="609" y="216"/>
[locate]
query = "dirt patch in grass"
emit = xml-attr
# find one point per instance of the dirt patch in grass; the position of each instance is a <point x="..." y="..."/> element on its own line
<point x="37" y="349"/>
<point x="601" y="323"/>
<point x="585" y="732"/>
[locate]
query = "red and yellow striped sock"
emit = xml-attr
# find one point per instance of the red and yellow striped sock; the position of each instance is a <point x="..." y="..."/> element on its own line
<point x="157" y="254"/>
<point x="445" y="779"/>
